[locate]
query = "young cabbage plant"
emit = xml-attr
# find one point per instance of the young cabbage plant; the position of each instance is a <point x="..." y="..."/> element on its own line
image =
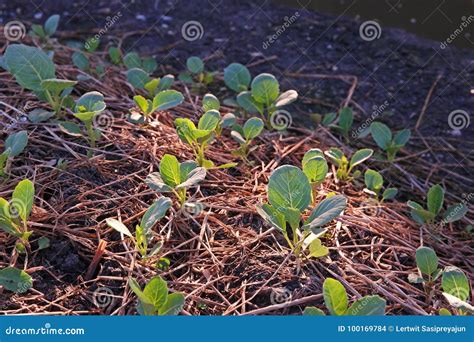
<point x="201" y="136"/>
<point x="212" y="103"/>
<point x="428" y="271"/>
<point x="14" y="145"/>
<point x="133" y="60"/>
<point x="456" y="290"/>
<point x="115" y="55"/>
<point x="81" y="60"/>
<point x="435" y="201"/>
<point x="14" y="214"/>
<point x="196" y="75"/>
<point x="163" y="100"/>
<point x="44" y="32"/>
<point x="154" y="299"/>
<point x="15" y="280"/>
<point x="374" y="183"/>
<point x="382" y="136"/>
<point x="237" y="78"/>
<point x="140" y="79"/>
<point x="176" y="177"/>
<point x="344" y="122"/>
<point x="337" y="303"/>
<point x="289" y="194"/>
<point x="344" y="166"/>
<point x="244" y="136"/>
<point x="35" y="71"/>
<point x="264" y="98"/>
<point x="315" y="167"/>
<point x="143" y="231"/>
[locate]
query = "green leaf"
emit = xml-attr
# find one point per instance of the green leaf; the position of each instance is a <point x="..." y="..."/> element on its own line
<point x="142" y="103"/>
<point x="310" y="154"/>
<point x="149" y="65"/>
<point x="426" y="260"/>
<point x="228" y="120"/>
<point x="455" y="212"/>
<point x="56" y="85"/>
<point x="185" y="129"/>
<point x="173" y="306"/>
<point x="237" y="137"/>
<point x="156" y="291"/>
<point x="16" y="143"/>
<point x="185" y="168"/>
<point x="167" y="99"/>
<point x="30" y="66"/>
<point x="209" y="120"/>
<point x="455" y="282"/>
<point x="458" y="304"/>
<point x="51" y="25"/>
<point x="336" y="155"/>
<point x="265" y="89"/>
<point x="328" y="119"/>
<point x="315" y="169"/>
<point x="346" y="118"/>
<point x="166" y="82"/>
<point x="196" y="176"/>
<point x="368" y="306"/>
<point x="237" y="77"/>
<point x="373" y="180"/>
<point x="22" y="198"/>
<point x="252" y="128"/>
<point x="286" y="98"/>
<point x="91" y="44"/>
<point x="313" y="311"/>
<point x="92" y="101"/>
<point x="360" y="156"/>
<point x="195" y="65"/>
<point x="435" y="199"/>
<point x="170" y="170"/>
<point x="444" y="312"/>
<point x="138" y="291"/>
<point x="132" y="60"/>
<point x="155" y="182"/>
<point x="9" y="227"/>
<point x="43" y="243"/>
<point x="137" y="78"/>
<point x="389" y="193"/>
<point x="288" y="187"/>
<point x="114" y="54"/>
<point x="15" y="280"/>
<point x="118" y="226"/>
<point x="326" y="211"/>
<point x="401" y="138"/>
<point x="419" y="214"/>
<point x="317" y="249"/>
<point x="381" y="134"/>
<point x="38" y="30"/>
<point x="70" y="128"/>
<point x="335" y="297"/>
<point x="272" y="216"/>
<point x="209" y="102"/>
<point x="155" y="213"/>
<point x="246" y="101"/>
<point x="80" y="60"/>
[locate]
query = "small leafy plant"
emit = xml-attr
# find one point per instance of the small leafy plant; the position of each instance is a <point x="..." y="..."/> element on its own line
<point x="132" y="60"/>
<point x="374" y="183"/>
<point x="155" y="300"/>
<point x="44" y="32"/>
<point x="384" y="139"/>
<point x="15" y="280"/>
<point x="14" y="214"/>
<point x="176" y="177"/>
<point x="143" y="236"/>
<point x="337" y="303"/>
<point x="237" y="77"/>
<point x="344" y="166"/>
<point x="196" y="75"/>
<point x="344" y="122"/>
<point x="264" y="98"/>
<point x="289" y="194"/>
<point x="315" y="167"/>
<point x="435" y="201"/>
<point x="456" y="290"/>
<point x="14" y="145"/>
<point x="428" y="271"/>
<point x="244" y="136"/>
<point x="34" y="70"/>
<point x="115" y="55"/>
<point x="163" y="100"/>
<point x="211" y="103"/>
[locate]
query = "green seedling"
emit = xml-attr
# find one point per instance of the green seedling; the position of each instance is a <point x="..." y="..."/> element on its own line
<point x="155" y="300"/>
<point x="15" y="280"/>
<point x="374" y="183"/>
<point x="315" y="167"/>
<point x="34" y="70"/>
<point x="435" y="201"/>
<point x="201" y="136"/>
<point x="244" y="136"/>
<point x="115" y="55"/>
<point x="337" y="303"/>
<point x="176" y="177"/>
<point x="87" y="107"/>
<point x="382" y="136"/>
<point x="141" y="80"/>
<point x="289" y="194"/>
<point x="237" y="78"/>
<point x="212" y="103"/>
<point x="143" y="231"/>
<point x="428" y="271"/>
<point x="196" y="75"/>
<point x="82" y="61"/>
<point x="132" y="60"/>
<point x="44" y="32"/>
<point x="344" y="122"/>
<point x="14" y="145"/>
<point x="456" y="290"/>
<point x="264" y="98"/>
<point x="163" y="100"/>
<point x="14" y="214"/>
<point x="344" y="166"/>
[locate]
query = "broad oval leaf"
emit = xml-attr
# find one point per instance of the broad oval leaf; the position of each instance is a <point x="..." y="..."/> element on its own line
<point x="246" y="101"/>
<point x="70" y="128"/>
<point x="346" y="118"/>
<point x="166" y="82"/>
<point x="237" y="137"/>
<point x="228" y="120"/>
<point x="271" y="216"/>
<point x="326" y="211"/>
<point x="142" y="103"/>
<point x="149" y="65"/>
<point x="167" y="99"/>
<point x="286" y="98"/>
<point x="196" y="176"/>
<point x="22" y="199"/>
<point x="389" y="193"/>
<point x="317" y="249"/>
<point x="173" y="306"/>
<point x="132" y="60"/>
<point x="373" y="180"/>
<point x="455" y="212"/>
<point x="335" y="297"/>
<point x="185" y="168"/>
<point x="368" y="306"/>
<point x="56" y="85"/>
<point x="314" y="152"/>
<point x="435" y="199"/>
<point x="51" y="25"/>
<point x="381" y="134"/>
<point x="252" y="128"/>
<point x="16" y="143"/>
<point x="209" y="102"/>
<point x="288" y="187"/>
<point x="313" y="311"/>
<point x="138" y="78"/>
<point x="155" y="213"/>
<point x="209" y="120"/>
<point x="15" y="280"/>
<point x="402" y="137"/>
<point x="360" y="156"/>
<point x="426" y="260"/>
<point x="80" y="60"/>
<point x="156" y="290"/>
<point x="92" y="101"/>
<point x="455" y="282"/>
<point x="237" y="77"/>
<point x="155" y="182"/>
<point x="170" y="170"/>
<point x="118" y="226"/>
<point x="265" y="89"/>
<point x="195" y="64"/>
<point x="316" y="169"/>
